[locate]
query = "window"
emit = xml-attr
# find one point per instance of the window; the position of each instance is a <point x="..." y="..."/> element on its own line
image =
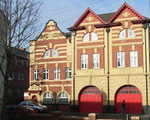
<point x="96" y="60"/>
<point x="54" y="53"/>
<point x="90" y="36"/>
<point x="68" y="73"/>
<point x="45" y="74"/>
<point x="131" y="33"/>
<point x="36" y="74"/>
<point x="133" y="58"/>
<point x="48" y="98"/>
<point x="19" y="76"/>
<point x="22" y="76"/>
<point x="93" y="36"/>
<point x="86" y="37"/>
<point x="84" y="61"/>
<point x="56" y="74"/>
<point x="47" y="53"/>
<point x="120" y="59"/>
<point x="63" y="98"/>
<point x="122" y="34"/>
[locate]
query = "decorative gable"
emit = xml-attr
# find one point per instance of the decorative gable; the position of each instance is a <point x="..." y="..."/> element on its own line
<point x="88" y="16"/>
<point x="125" y="12"/>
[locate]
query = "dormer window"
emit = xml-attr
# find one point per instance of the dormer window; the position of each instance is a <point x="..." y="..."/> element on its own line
<point x="47" y="53"/>
<point x="131" y="33"/>
<point x="90" y="37"/>
<point x="54" y="53"/>
<point x="122" y="34"/>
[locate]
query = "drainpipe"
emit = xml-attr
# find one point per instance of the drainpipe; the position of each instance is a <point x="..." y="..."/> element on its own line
<point x="146" y="76"/>
<point x="108" y="72"/>
<point x="74" y="72"/>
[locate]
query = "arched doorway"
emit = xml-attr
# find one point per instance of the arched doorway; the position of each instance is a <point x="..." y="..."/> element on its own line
<point x="132" y="97"/>
<point x="90" y="100"/>
<point x="34" y="98"/>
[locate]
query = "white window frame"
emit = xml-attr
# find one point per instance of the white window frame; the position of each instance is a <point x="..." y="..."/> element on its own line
<point x="86" y="37"/>
<point x="48" y="98"/>
<point x="96" y="60"/>
<point x="47" y="53"/>
<point x="84" y="61"/>
<point x="68" y="72"/>
<point x="93" y="36"/>
<point x="133" y="58"/>
<point x="54" y="53"/>
<point x="45" y="74"/>
<point x="56" y="74"/>
<point x="61" y="96"/>
<point x="36" y="74"/>
<point x="122" y="34"/>
<point x="131" y="33"/>
<point x="120" y="59"/>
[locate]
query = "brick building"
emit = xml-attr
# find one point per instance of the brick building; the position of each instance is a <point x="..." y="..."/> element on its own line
<point x="18" y="80"/>
<point x="105" y="61"/>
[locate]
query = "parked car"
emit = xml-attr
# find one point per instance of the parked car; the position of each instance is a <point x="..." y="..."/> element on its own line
<point x="17" y="109"/>
<point x="34" y="105"/>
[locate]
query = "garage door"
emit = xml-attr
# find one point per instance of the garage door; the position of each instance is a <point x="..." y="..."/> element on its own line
<point x="133" y="100"/>
<point x="90" y="100"/>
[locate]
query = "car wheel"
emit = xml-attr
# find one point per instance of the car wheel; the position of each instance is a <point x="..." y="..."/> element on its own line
<point x="38" y="110"/>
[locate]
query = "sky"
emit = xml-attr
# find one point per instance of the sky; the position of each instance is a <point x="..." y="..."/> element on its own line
<point x="66" y="12"/>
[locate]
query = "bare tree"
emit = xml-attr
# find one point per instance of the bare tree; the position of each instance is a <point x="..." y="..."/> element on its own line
<point x="17" y="26"/>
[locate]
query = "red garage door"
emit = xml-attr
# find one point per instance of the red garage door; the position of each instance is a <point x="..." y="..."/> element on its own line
<point x="90" y="100"/>
<point x="132" y="97"/>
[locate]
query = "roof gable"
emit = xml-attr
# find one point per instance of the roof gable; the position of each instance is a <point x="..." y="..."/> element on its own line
<point x="122" y="9"/>
<point x="85" y="14"/>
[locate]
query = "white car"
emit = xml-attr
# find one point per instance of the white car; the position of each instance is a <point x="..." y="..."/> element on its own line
<point x="40" y="108"/>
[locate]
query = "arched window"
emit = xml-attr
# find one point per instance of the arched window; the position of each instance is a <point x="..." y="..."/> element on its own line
<point x="48" y="98"/>
<point x="90" y="37"/>
<point x="47" y="53"/>
<point x="63" y="98"/>
<point x="131" y="33"/>
<point x="54" y="53"/>
<point x="122" y="34"/>
<point x="86" y="37"/>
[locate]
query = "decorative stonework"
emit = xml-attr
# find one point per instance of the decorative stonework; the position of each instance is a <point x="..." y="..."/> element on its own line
<point x="120" y="48"/>
<point x="89" y="19"/>
<point x="45" y="65"/>
<point x="84" y="51"/>
<point x="133" y="47"/>
<point x="50" y="45"/>
<point x="126" y="14"/>
<point x="126" y="24"/>
<point x="95" y="50"/>
<point x="90" y="28"/>
<point x="56" y="65"/>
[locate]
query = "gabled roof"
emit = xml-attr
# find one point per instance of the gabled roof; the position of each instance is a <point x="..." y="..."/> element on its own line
<point x="125" y="5"/>
<point x="85" y="14"/>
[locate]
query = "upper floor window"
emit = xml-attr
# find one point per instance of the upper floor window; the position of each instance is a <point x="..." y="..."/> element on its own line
<point x="84" y="61"/>
<point x="45" y="74"/>
<point x="48" y="98"/>
<point x="90" y="37"/>
<point x="19" y="76"/>
<point x="22" y="76"/>
<point x="121" y="59"/>
<point x="36" y="74"/>
<point x="56" y="74"/>
<point x="68" y="73"/>
<point x="63" y="98"/>
<point x="96" y="60"/>
<point x="47" y="53"/>
<point x="133" y="58"/>
<point x="54" y="53"/>
<point x="126" y="33"/>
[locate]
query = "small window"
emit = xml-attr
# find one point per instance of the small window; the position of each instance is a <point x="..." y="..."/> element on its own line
<point x="133" y="58"/>
<point x="19" y="76"/>
<point x="131" y="33"/>
<point x="47" y="53"/>
<point x="36" y="74"/>
<point x="122" y="34"/>
<point x="63" y="98"/>
<point x="22" y="76"/>
<point x="84" y="61"/>
<point x="56" y="74"/>
<point x="48" y="98"/>
<point x="68" y="73"/>
<point x="86" y="37"/>
<point x="120" y="59"/>
<point x="93" y="36"/>
<point x="45" y="74"/>
<point x="54" y="53"/>
<point x="96" y="60"/>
